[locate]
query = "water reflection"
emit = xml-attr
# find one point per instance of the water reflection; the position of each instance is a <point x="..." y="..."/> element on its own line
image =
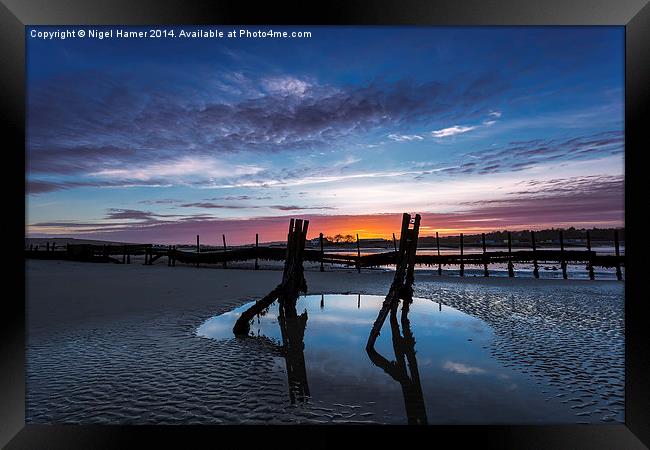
<point x="319" y="341"/>
<point x="292" y="328"/>
<point x="404" y="369"/>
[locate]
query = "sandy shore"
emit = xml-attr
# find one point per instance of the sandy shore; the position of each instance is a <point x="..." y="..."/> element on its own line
<point x="112" y="343"/>
<point x="63" y="294"/>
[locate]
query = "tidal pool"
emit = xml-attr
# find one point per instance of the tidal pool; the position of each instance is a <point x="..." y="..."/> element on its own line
<point x="431" y="363"/>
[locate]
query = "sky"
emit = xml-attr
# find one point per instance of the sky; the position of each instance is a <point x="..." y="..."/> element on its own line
<point x="475" y="128"/>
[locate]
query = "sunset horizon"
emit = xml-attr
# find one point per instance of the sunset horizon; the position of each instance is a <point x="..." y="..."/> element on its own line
<point x="122" y="145"/>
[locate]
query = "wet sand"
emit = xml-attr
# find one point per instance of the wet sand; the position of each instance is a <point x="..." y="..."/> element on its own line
<point x="117" y="344"/>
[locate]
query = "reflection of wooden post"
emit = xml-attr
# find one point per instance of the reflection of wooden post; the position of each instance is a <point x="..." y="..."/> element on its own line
<point x="358" y="301"/>
<point x="485" y="259"/>
<point x="358" y="255"/>
<point x="257" y="243"/>
<point x="225" y="264"/>
<point x="562" y="260"/>
<point x="535" y="266"/>
<point x="590" y="266"/>
<point x="511" y="268"/>
<point x="439" y="263"/>
<point x="619" y="274"/>
<point x="404" y="369"/>
<point x="462" y="266"/>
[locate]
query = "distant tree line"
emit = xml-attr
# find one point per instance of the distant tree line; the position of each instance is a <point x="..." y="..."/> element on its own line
<point x="340" y="238"/>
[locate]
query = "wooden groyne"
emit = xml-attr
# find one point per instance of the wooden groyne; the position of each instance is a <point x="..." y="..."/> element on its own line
<point x="115" y="253"/>
<point x="203" y="255"/>
<point x="402" y="285"/>
<point x="293" y="281"/>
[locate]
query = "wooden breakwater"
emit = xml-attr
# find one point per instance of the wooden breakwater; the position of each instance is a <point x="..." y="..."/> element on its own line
<point x="121" y="254"/>
<point x="115" y="253"/>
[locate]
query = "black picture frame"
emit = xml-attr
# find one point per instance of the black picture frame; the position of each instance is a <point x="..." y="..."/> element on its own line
<point x="633" y="14"/>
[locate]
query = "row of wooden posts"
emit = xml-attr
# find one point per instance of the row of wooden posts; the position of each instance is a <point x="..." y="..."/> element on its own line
<point x="152" y="254"/>
<point x="511" y="271"/>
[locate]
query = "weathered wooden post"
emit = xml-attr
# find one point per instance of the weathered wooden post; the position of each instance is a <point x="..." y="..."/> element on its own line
<point x="590" y="266"/>
<point x="174" y="256"/>
<point x="128" y="255"/>
<point x="562" y="259"/>
<point x="535" y="265"/>
<point x="169" y="256"/>
<point x="401" y="286"/>
<point x="439" y="263"/>
<point x="124" y="254"/>
<point x="358" y="255"/>
<point x="198" y="250"/>
<point x="619" y="274"/>
<point x="322" y="301"/>
<point x="322" y="253"/>
<point x="511" y="268"/>
<point x="225" y="263"/>
<point x="31" y="247"/>
<point x="47" y="246"/>
<point x="462" y="265"/>
<point x="414" y="233"/>
<point x="293" y="279"/>
<point x="485" y="257"/>
<point x="257" y="244"/>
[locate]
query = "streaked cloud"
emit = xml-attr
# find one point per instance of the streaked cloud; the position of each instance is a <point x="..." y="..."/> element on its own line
<point x="405" y="137"/>
<point x="452" y="131"/>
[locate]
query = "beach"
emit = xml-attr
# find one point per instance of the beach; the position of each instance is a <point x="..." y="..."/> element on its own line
<point x="112" y="343"/>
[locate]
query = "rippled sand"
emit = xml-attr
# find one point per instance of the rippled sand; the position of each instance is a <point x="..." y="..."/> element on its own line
<point x="117" y="344"/>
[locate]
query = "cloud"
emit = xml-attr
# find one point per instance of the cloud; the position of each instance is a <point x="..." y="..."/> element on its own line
<point x="451" y="131"/>
<point x="162" y="201"/>
<point x="286" y="86"/>
<point x="300" y="208"/>
<point x="521" y="155"/>
<point x="210" y="205"/>
<point x="180" y="169"/>
<point x="93" y="123"/>
<point x="405" y="137"/>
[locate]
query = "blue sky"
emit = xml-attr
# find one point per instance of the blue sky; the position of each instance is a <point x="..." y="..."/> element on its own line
<point x="481" y="128"/>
